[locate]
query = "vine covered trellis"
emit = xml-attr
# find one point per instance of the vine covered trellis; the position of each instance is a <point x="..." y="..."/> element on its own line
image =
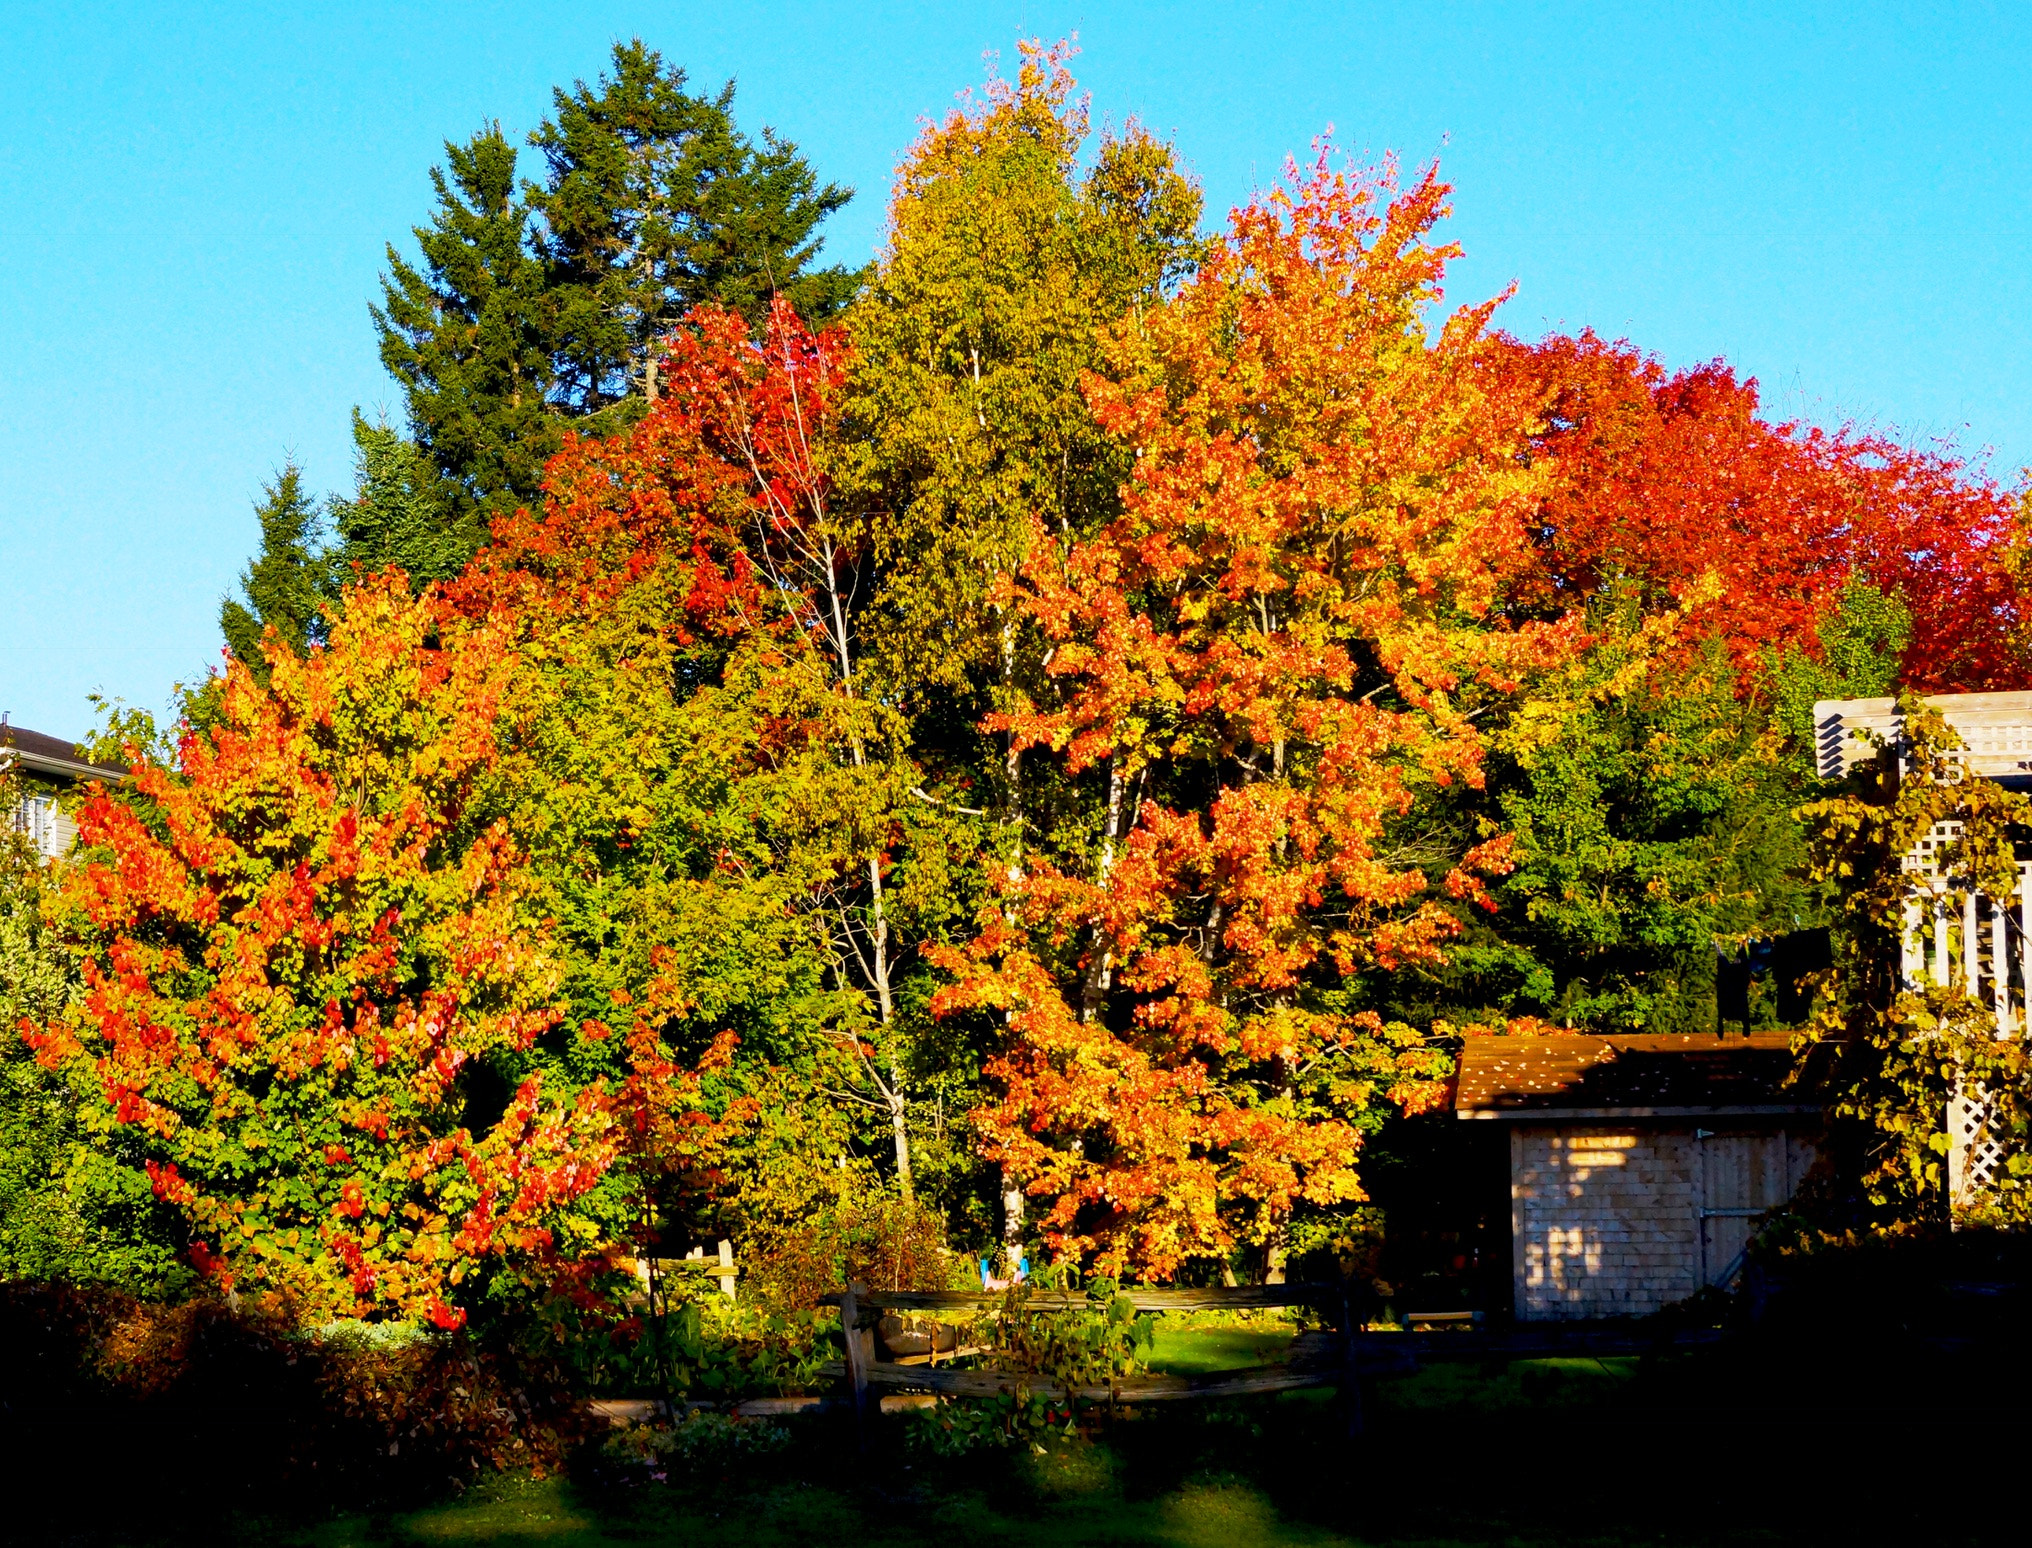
<point x="1920" y="1031"/>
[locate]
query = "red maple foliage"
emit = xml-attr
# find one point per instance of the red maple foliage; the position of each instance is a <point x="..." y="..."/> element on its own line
<point x="298" y="944"/>
<point x="718" y="480"/>
<point x="668" y="603"/>
<point x="1666" y="476"/>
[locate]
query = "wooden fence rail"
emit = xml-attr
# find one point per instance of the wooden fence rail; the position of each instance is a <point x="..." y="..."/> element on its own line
<point x="1125" y="1389"/>
<point x="1314" y="1367"/>
<point x="1211" y="1298"/>
<point x="1342" y="1359"/>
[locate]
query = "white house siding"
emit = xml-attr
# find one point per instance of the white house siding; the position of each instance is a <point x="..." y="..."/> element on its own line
<point x="49" y="829"/>
<point x="1609" y="1221"/>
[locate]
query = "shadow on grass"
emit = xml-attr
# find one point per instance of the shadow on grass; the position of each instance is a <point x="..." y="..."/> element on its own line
<point x="1214" y="1512"/>
<point x="1757" y="1443"/>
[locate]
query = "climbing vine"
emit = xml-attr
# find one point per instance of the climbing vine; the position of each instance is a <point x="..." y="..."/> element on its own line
<point x="1891" y="1057"/>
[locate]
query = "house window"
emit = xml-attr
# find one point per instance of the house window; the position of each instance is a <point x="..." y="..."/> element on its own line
<point x="37" y="817"/>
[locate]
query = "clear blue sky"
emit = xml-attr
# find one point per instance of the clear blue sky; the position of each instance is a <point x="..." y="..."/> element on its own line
<point x="194" y="200"/>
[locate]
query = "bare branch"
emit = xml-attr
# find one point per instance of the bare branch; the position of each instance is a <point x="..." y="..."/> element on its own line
<point x="931" y="800"/>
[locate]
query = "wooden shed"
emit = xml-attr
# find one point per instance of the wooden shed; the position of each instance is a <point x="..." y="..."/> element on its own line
<point x="1639" y="1164"/>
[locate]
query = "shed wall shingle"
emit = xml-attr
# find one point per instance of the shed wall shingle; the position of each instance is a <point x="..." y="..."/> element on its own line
<point x="1622" y="1222"/>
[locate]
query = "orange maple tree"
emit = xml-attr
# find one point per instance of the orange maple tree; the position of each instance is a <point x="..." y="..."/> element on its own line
<point x="1670" y="476"/>
<point x="298" y="946"/>
<point x="1287" y="635"/>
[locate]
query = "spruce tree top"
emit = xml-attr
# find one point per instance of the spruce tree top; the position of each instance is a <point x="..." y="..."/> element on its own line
<point x="537" y="304"/>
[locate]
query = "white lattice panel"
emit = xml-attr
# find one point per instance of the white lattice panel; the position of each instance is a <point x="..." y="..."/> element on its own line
<point x="1977" y="1151"/>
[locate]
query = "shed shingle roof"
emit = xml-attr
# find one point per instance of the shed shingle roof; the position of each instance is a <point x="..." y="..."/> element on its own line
<point x="1567" y="1071"/>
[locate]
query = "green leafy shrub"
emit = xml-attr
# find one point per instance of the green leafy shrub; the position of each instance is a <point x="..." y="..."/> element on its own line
<point x="1054" y="1352"/>
<point x="688" y="1344"/>
<point x="957" y="1426"/>
<point x="703" y="1443"/>
<point x="715" y="1348"/>
<point x="1065" y="1349"/>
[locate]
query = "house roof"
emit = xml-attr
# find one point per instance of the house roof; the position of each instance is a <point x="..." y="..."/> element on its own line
<point x="50" y="755"/>
<point x="1656" y="1074"/>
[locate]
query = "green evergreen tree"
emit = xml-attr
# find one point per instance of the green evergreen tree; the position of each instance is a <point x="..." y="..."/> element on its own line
<point x="652" y="203"/>
<point x="284" y="586"/>
<point x="1653" y="817"/>
<point x="402" y="513"/>
<point x="538" y="304"/>
<point x="465" y="335"/>
<point x="1655" y="808"/>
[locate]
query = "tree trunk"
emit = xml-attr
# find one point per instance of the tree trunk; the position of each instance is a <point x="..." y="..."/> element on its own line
<point x="899" y="1116"/>
<point x="1274" y="1254"/>
<point x="1012" y="757"/>
<point x="885" y="1003"/>
<point x="1012" y="1224"/>
<point x="1100" y="972"/>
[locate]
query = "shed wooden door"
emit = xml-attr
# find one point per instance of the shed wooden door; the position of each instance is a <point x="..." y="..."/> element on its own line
<point x="1741" y="1177"/>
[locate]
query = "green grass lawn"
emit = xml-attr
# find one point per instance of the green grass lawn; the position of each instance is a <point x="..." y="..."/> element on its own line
<point x="1185" y="1348"/>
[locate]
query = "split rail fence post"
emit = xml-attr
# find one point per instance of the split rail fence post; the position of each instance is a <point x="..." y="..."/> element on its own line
<point x="1351" y="1375"/>
<point x="857" y="1364"/>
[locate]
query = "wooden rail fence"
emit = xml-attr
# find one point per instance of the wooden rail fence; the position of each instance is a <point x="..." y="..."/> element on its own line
<point x="1317" y="1367"/>
<point x="1342" y="1359"/>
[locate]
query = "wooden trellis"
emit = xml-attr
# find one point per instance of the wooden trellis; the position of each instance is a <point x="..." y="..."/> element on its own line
<point x="1983" y="942"/>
